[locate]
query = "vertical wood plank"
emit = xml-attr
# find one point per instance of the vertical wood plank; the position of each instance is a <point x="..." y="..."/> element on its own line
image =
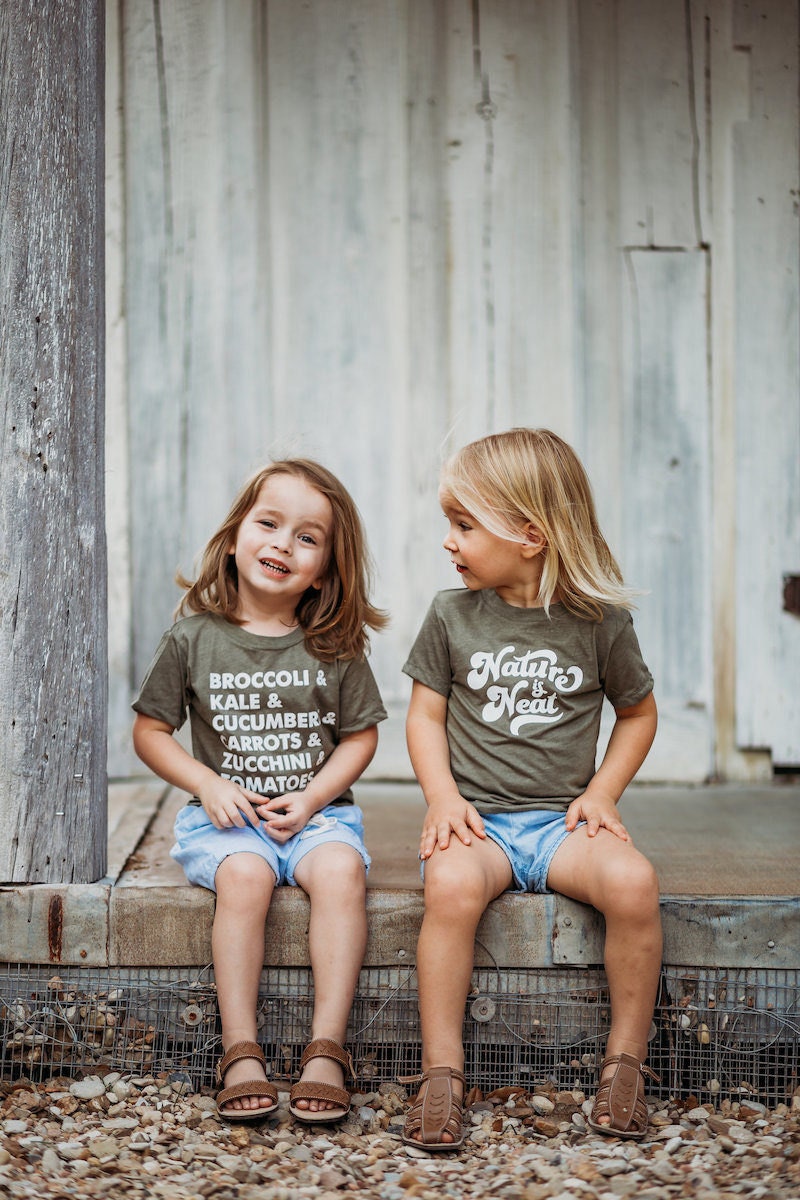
<point x="197" y="323"/>
<point x="659" y="125"/>
<point x="665" y="477"/>
<point x="599" y="392"/>
<point x="53" y="695"/>
<point x="428" y="412"/>
<point x="729" y="102"/>
<point x="767" y="364"/>
<point x="122" y="761"/>
<point x="338" y="234"/>
<point x="528" y="57"/>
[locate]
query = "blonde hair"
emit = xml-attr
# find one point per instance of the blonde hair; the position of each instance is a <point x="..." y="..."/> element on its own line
<point x="522" y="477"/>
<point x="334" y="618"/>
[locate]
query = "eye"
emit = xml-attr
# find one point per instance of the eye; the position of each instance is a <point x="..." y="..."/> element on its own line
<point x="463" y="526"/>
<point x="307" y="539"/>
<point x="265" y="521"/>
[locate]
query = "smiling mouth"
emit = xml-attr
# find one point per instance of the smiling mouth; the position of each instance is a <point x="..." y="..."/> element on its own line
<point x="269" y="565"/>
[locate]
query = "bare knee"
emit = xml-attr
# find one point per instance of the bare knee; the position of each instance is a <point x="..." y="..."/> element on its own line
<point x="244" y="881"/>
<point x="335" y="870"/>
<point x="634" y="895"/>
<point x="451" y="893"/>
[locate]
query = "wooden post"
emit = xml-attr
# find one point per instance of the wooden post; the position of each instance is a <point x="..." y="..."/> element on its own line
<point x="53" y="670"/>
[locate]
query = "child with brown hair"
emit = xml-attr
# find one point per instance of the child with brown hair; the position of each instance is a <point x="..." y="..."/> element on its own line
<point x="268" y="659"/>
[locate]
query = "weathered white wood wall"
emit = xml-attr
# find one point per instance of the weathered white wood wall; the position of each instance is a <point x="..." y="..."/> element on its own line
<point x="369" y="230"/>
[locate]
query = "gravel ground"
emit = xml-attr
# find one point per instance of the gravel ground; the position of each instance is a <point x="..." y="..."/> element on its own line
<point x="122" y="1135"/>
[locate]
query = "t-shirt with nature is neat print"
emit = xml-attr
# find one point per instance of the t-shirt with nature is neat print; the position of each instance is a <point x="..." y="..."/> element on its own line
<point x="524" y="693"/>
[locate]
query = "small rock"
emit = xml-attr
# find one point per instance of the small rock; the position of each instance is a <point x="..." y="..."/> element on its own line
<point x="615" y="1166"/>
<point x="750" y="1109"/>
<point x="50" y="1163"/>
<point x="71" y="1151"/>
<point x="104" y="1147"/>
<point x="89" y="1088"/>
<point x="333" y="1179"/>
<point x="669" y="1131"/>
<point x="548" y="1129"/>
<point x="12" y="1127"/>
<point x="479" y="1136"/>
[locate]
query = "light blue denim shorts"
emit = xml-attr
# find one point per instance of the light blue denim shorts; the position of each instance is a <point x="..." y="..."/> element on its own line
<point x="529" y="840"/>
<point x="200" y="847"/>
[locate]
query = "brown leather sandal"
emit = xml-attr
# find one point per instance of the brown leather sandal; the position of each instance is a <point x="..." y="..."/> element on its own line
<point x="252" y="1087"/>
<point x="621" y="1099"/>
<point x="436" y="1111"/>
<point x="326" y="1092"/>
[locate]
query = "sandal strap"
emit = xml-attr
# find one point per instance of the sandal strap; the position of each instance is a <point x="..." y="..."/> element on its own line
<point x="620" y="1097"/>
<point x="646" y="1071"/>
<point x="438" y="1111"/>
<point x="256" y="1087"/>
<point x="324" y="1092"/>
<point x="327" y="1048"/>
<point x="235" y="1053"/>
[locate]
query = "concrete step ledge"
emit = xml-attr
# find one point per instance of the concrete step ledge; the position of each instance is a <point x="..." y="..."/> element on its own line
<point x="100" y="925"/>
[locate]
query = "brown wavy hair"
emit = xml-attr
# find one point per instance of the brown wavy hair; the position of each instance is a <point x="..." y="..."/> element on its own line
<point x="334" y="618"/>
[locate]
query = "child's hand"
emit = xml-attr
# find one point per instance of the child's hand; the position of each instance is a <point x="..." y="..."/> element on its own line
<point x="284" y="816"/>
<point x="599" y="812"/>
<point x="226" y="804"/>
<point x="446" y="817"/>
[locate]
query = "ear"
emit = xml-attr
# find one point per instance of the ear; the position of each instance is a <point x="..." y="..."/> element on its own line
<point x="535" y="541"/>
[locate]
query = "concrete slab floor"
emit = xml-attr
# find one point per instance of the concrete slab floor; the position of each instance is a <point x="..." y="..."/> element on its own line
<point x="711" y="840"/>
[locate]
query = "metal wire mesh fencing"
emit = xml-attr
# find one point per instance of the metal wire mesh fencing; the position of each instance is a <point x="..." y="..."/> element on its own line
<point x="716" y="1033"/>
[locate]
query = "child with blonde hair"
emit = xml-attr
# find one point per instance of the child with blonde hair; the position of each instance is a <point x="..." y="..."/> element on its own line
<point x="509" y="681"/>
<point x="268" y="659"/>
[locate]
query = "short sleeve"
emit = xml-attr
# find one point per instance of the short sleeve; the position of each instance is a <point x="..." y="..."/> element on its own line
<point x="360" y="704"/>
<point x="429" y="661"/>
<point x="164" y="692"/>
<point x="625" y="677"/>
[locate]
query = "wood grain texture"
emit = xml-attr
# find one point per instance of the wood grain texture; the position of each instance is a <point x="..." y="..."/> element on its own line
<point x="53" y="566"/>
<point x="666" y="453"/>
<point x="370" y="232"/>
<point x="766" y="190"/>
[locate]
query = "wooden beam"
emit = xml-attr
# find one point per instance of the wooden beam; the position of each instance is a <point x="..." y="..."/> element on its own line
<point x="53" y="643"/>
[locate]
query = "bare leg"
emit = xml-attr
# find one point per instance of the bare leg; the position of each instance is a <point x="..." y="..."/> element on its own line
<point x="620" y="882"/>
<point x="334" y="877"/>
<point x="244" y="885"/>
<point x="459" y="883"/>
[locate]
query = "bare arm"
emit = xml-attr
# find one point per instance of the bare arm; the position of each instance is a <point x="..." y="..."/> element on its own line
<point x="224" y="801"/>
<point x="631" y="738"/>
<point x="428" y="749"/>
<point x="287" y="814"/>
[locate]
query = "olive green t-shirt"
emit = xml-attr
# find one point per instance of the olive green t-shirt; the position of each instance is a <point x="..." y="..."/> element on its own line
<point x="263" y="711"/>
<point x="524" y="693"/>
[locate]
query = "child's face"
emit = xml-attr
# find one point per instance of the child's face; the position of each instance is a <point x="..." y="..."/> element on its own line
<point x="283" y="544"/>
<point x="481" y="558"/>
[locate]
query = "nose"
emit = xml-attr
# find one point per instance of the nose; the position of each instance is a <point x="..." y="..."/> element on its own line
<point x="449" y="543"/>
<point x="281" y="541"/>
